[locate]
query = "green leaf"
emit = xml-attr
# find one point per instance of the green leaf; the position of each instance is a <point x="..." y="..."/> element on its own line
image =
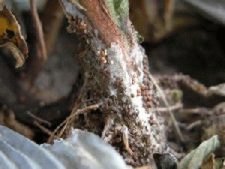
<point x="119" y="11"/>
<point x="194" y="159"/>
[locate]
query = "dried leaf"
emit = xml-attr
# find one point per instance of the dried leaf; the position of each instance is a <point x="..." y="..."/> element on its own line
<point x="194" y="159"/>
<point x="218" y="89"/>
<point x="8" y="119"/>
<point x="18" y="56"/>
<point x="210" y="163"/>
<point x="11" y="37"/>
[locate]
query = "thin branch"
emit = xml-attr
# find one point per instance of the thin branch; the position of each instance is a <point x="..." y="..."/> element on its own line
<point x="199" y="111"/>
<point x="44" y="129"/>
<point x="16" y="53"/>
<point x="170" y="108"/>
<point x="74" y="113"/>
<point x="39" y="119"/>
<point x="194" y="124"/>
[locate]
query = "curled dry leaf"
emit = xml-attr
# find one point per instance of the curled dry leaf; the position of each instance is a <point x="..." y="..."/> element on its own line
<point x="209" y="163"/>
<point x="10" y="35"/>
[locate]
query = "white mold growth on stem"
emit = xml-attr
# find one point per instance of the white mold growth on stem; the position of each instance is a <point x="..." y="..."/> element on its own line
<point x="129" y="68"/>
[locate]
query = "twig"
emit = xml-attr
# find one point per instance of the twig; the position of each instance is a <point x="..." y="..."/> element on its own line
<point x="75" y="113"/>
<point x="194" y="124"/>
<point x="39" y="119"/>
<point x="166" y="109"/>
<point x="44" y="129"/>
<point x="192" y="84"/>
<point x="200" y="111"/>
<point x="64" y="124"/>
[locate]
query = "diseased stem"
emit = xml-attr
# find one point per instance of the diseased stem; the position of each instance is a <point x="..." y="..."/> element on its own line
<point x="116" y="74"/>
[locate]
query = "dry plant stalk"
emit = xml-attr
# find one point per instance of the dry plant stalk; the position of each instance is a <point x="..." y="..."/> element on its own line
<point x="116" y="74"/>
<point x="39" y="31"/>
<point x="39" y="52"/>
<point x="52" y="19"/>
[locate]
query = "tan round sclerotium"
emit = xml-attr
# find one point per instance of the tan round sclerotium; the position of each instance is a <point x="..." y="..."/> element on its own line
<point x="138" y="92"/>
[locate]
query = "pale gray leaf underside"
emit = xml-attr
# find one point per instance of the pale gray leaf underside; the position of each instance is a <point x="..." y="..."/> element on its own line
<point x="82" y="150"/>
